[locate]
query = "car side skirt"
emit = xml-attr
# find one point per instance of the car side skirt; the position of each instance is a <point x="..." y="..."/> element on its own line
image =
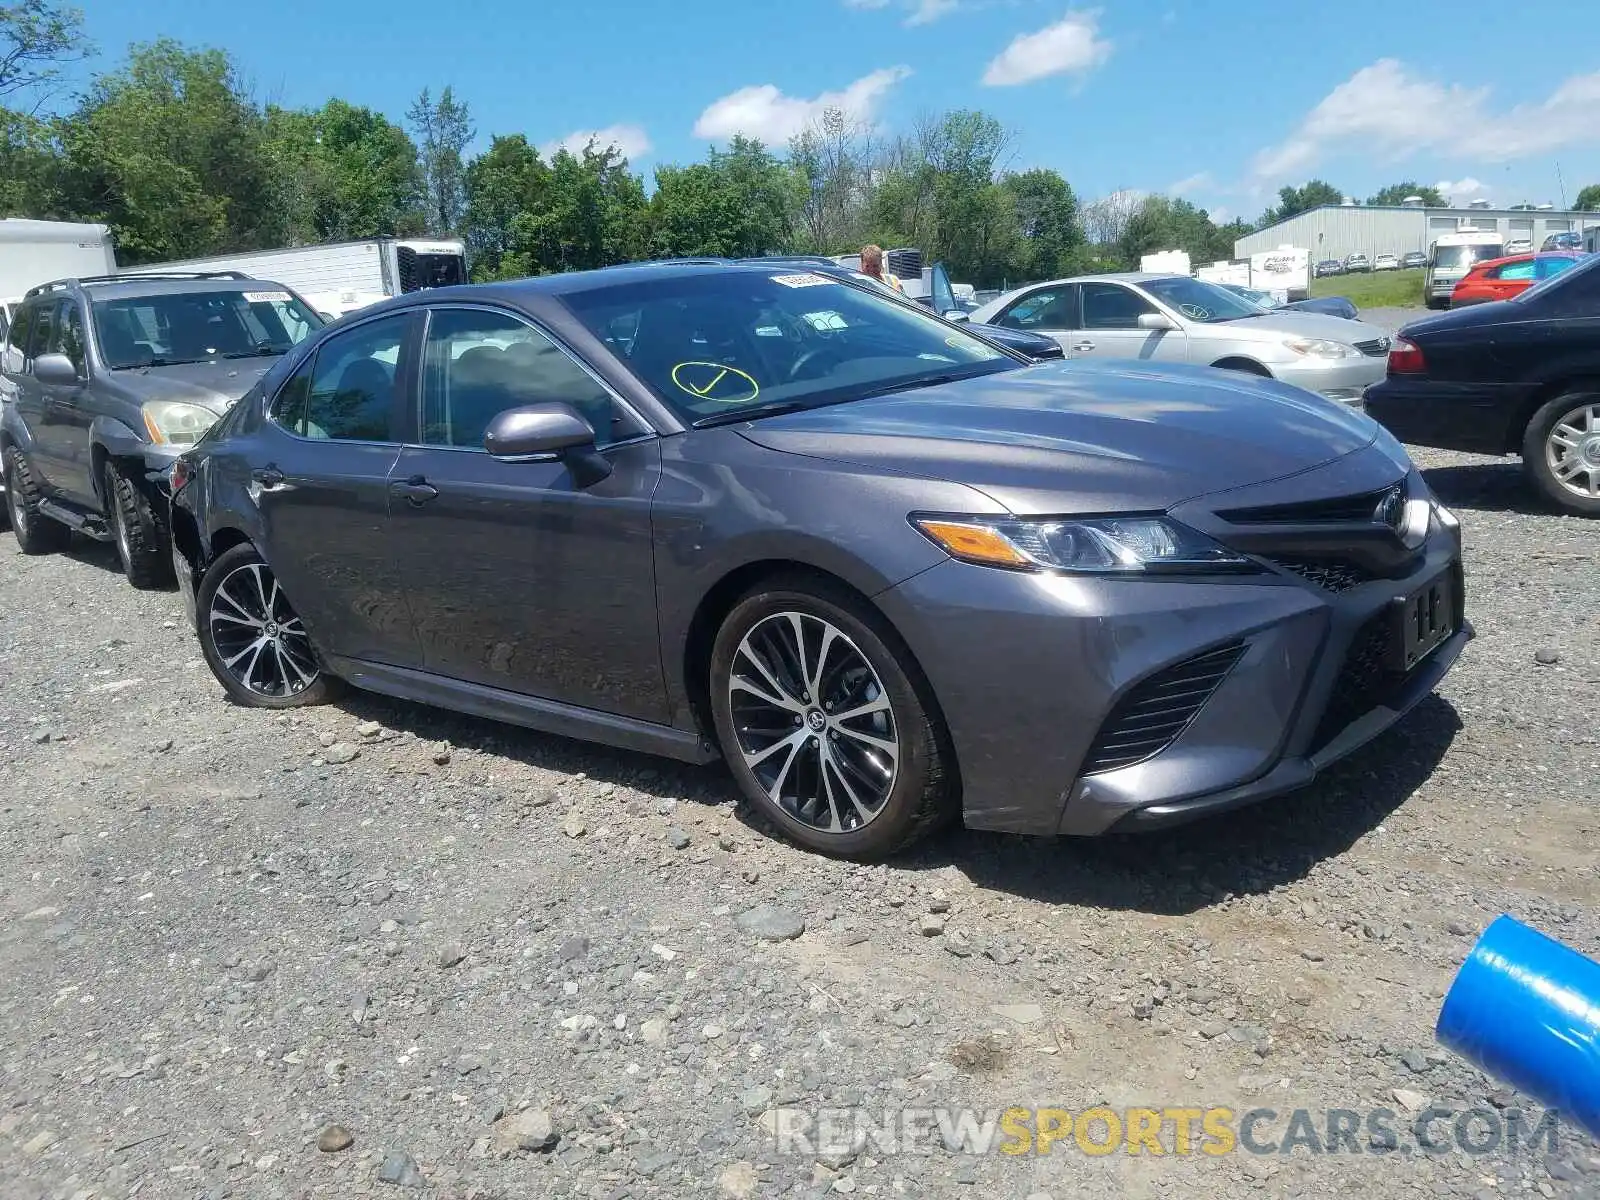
<point x="531" y="712"/>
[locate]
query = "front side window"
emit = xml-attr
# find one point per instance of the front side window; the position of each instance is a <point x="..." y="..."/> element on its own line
<point x="348" y="391"/>
<point x="70" y="340"/>
<point x="22" y="327"/>
<point x="1549" y="267"/>
<point x="1047" y="309"/>
<point x="718" y="344"/>
<point x="476" y="364"/>
<point x="1111" y="306"/>
<point x="253" y="320"/>
<point x="46" y="327"/>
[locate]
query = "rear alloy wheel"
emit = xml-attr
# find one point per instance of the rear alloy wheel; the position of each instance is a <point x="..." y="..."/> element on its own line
<point x="36" y="533"/>
<point x="254" y="642"/>
<point x="138" y="530"/>
<point x="1561" y="451"/>
<point x="822" y="725"/>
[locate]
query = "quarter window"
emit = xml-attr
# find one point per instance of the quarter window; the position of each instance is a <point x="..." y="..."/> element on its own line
<point x="349" y="393"/>
<point x="1110" y="306"/>
<point x="477" y="364"/>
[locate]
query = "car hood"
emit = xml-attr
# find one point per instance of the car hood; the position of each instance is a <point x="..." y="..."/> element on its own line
<point x="1075" y="437"/>
<point x="212" y="385"/>
<point x="1282" y="322"/>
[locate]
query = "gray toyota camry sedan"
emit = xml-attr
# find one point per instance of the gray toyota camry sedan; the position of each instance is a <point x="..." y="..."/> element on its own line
<point x="891" y="573"/>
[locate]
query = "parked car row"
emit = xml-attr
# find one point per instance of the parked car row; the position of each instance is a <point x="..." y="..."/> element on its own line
<point x="1358" y="263"/>
<point x="891" y="571"/>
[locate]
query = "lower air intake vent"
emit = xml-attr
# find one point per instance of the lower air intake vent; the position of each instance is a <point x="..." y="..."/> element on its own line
<point x="1156" y="711"/>
<point x="1330" y="574"/>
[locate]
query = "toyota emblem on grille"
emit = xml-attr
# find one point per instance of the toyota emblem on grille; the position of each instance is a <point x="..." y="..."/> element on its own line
<point x="1384" y="344"/>
<point x="1391" y="508"/>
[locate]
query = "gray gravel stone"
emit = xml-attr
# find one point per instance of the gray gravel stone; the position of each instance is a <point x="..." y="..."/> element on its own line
<point x="341" y="752"/>
<point x="771" y="923"/>
<point x="400" y="1169"/>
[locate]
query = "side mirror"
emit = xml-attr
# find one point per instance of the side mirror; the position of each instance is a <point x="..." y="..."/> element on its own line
<point x="55" y="368"/>
<point x="1156" y="322"/>
<point x="956" y="314"/>
<point x="540" y="430"/>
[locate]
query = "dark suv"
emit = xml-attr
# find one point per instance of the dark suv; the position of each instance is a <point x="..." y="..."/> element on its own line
<point x="108" y="379"/>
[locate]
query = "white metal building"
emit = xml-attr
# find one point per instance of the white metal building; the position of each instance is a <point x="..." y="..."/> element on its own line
<point x="1335" y="231"/>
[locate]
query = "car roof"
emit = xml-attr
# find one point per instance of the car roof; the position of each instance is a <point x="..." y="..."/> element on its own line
<point x="113" y="287"/>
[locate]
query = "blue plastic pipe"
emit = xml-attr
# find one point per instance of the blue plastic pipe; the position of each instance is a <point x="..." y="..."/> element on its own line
<point x="1526" y="1010"/>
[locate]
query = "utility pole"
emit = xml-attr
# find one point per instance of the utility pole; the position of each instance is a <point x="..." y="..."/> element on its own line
<point x="1562" y="186"/>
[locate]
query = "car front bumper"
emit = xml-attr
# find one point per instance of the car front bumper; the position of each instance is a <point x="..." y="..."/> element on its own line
<point x="1341" y="379"/>
<point x="1029" y="671"/>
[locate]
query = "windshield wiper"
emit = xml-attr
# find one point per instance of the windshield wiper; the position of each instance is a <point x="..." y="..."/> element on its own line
<point x="258" y="352"/>
<point x="908" y="385"/>
<point x="159" y="362"/>
<point x="749" y="413"/>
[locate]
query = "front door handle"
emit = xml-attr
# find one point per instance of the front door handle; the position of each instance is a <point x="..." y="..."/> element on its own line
<point x="1083" y="346"/>
<point x="268" y="476"/>
<point x="416" y="489"/>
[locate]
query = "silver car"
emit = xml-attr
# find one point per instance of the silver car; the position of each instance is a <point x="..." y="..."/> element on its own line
<point x="1173" y="318"/>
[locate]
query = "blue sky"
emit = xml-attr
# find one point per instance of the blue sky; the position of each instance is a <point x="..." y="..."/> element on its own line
<point x="1222" y="101"/>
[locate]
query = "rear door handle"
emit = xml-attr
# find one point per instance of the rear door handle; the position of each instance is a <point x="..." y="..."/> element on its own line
<point x="1083" y="346"/>
<point x="416" y="489"/>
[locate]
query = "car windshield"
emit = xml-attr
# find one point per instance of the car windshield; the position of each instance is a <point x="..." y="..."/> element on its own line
<point x="182" y="327"/>
<point x="1450" y="257"/>
<point x="1199" y="300"/>
<point x="723" y="345"/>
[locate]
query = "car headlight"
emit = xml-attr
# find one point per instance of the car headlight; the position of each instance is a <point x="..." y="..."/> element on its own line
<point x="1320" y="348"/>
<point x="1100" y="545"/>
<point x="174" y="423"/>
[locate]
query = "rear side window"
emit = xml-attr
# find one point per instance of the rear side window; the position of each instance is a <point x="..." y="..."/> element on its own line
<point x="349" y="391"/>
<point x="1514" y="271"/>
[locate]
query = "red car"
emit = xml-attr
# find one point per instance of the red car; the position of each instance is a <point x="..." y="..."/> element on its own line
<point x="1503" y="278"/>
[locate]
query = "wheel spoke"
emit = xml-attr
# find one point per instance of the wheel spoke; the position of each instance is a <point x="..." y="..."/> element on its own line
<point x="244" y="607"/>
<point x="780" y="695"/>
<point x="790" y="742"/>
<point x="244" y="617"/>
<point x="850" y="792"/>
<point x="863" y="710"/>
<point x="871" y="739"/>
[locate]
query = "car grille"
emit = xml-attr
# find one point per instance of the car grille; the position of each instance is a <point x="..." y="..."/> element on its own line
<point x="1365" y="680"/>
<point x="1148" y="719"/>
<point x="1307" y="512"/>
<point x="1376" y="348"/>
<point x="1330" y="574"/>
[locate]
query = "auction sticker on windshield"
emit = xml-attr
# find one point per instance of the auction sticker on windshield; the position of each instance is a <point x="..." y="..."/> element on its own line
<point x="715" y="381"/>
<point x="265" y="297"/>
<point x="799" y="281"/>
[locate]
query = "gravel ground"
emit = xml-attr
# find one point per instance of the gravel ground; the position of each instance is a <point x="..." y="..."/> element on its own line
<point x="498" y="964"/>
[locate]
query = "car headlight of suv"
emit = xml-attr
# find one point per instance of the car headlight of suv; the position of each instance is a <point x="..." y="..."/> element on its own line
<point x="1099" y="545"/>
<point x="174" y="423"/>
<point x="1320" y="348"/>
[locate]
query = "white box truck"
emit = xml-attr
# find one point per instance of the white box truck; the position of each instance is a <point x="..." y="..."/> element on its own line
<point x="1285" y="272"/>
<point x="344" y="276"/>
<point x="35" y="252"/>
<point x="1167" y="262"/>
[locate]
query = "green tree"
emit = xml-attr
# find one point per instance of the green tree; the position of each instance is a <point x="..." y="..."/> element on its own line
<point x="831" y="160"/>
<point x="503" y="183"/>
<point x="1166" y="223"/>
<point x="37" y="38"/>
<point x="30" y="167"/>
<point x="344" y="172"/>
<point x="1396" y="193"/>
<point x="444" y="130"/>
<point x="741" y="201"/>
<point x="1588" y="199"/>
<point x="1294" y="200"/>
<point x="172" y="154"/>
<point x="1050" y="237"/>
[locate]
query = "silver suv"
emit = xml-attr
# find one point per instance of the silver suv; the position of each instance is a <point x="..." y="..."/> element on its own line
<point x="1173" y="318"/>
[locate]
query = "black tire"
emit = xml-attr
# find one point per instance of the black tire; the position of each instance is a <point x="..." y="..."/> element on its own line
<point x="1538" y="451"/>
<point x="920" y="794"/>
<point x="36" y="533"/>
<point x="138" y="530"/>
<point x="222" y="640"/>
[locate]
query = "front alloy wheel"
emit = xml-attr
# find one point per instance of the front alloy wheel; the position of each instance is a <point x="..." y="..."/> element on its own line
<point x="813" y="722"/>
<point x="826" y="722"/>
<point x="254" y="641"/>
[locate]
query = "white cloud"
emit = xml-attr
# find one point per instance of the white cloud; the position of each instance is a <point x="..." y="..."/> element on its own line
<point x="918" y="12"/>
<point x="765" y="112"/>
<point x="1072" y="46"/>
<point x="1191" y="183"/>
<point x="631" y="141"/>
<point x="1386" y="111"/>
<point x="1459" y="189"/>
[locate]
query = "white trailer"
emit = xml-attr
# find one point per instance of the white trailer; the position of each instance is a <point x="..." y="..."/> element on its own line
<point x="1229" y="271"/>
<point x="35" y="252"/>
<point x="343" y="276"/>
<point x="1175" y="262"/>
<point x="1284" y="272"/>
